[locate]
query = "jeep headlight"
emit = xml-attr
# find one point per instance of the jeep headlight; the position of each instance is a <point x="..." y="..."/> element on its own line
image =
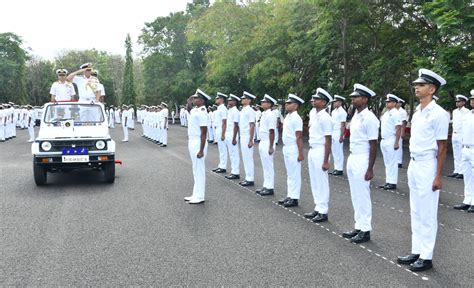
<point x="46" y="146"/>
<point x="100" y="144"/>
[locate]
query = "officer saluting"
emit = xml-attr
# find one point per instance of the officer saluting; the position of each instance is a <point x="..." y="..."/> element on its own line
<point x="292" y="137"/>
<point x="197" y="145"/>
<point x="320" y="138"/>
<point x="391" y="124"/>
<point x="363" y="148"/>
<point x="429" y="130"/>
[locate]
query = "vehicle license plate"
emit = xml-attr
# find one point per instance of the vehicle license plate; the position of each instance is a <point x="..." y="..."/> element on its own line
<point x="75" y="158"/>
<point x="75" y="151"/>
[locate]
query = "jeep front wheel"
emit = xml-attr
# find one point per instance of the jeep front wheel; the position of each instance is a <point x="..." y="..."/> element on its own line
<point x="40" y="174"/>
<point x="109" y="172"/>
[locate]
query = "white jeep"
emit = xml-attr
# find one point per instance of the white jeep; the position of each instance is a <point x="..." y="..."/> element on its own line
<point x="73" y="135"/>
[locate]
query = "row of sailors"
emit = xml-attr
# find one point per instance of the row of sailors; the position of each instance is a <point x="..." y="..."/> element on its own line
<point x="14" y="116"/>
<point x="429" y="133"/>
<point x="154" y="120"/>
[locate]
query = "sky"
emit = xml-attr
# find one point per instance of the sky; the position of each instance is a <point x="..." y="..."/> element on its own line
<point x="50" y="26"/>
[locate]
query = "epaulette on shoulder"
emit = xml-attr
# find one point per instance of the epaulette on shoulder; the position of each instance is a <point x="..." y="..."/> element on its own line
<point x="203" y="109"/>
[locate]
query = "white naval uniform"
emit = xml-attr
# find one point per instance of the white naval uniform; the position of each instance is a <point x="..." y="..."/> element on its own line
<point x="125" y="124"/>
<point x="131" y="114"/>
<point x="118" y="119"/>
<point x="467" y="163"/>
<point x="278" y="117"/>
<point x="111" y="118"/>
<point x="267" y="123"/>
<point x="164" y="126"/>
<point x="197" y="119"/>
<point x="233" y="116"/>
<point x="258" y="115"/>
<point x="210" y="130"/>
<point x="31" y="124"/>
<point x="247" y="116"/>
<point x="320" y="126"/>
<point x="427" y="126"/>
<point x="404" y="117"/>
<point x="62" y="91"/>
<point x="2" y="124"/>
<point x="456" y="139"/>
<point x="364" y="128"/>
<point x="338" y="116"/>
<point x="87" y="87"/>
<point x="389" y="121"/>
<point x="291" y="125"/>
<point x="219" y="115"/>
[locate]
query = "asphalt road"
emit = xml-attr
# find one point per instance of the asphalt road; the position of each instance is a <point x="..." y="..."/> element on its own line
<point x="79" y="231"/>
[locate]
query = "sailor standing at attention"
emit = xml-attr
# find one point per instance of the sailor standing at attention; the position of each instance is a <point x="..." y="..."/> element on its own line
<point x="360" y="164"/>
<point x="292" y="137"/>
<point x="197" y="145"/>
<point x="458" y="115"/>
<point x="339" y="117"/>
<point x="231" y="132"/>
<point x="247" y="130"/>
<point x="429" y="134"/>
<point x="320" y="134"/>
<point x="220" y="122"/>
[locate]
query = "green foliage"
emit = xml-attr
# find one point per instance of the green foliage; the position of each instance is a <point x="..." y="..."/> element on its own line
<point x="38" y="84"/>
<point x="128" y="92"/>
<point x="12" y="68"/>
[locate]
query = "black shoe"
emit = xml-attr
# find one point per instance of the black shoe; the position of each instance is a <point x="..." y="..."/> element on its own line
<point x="462" y="206"/>
<point x="350" y="234"/>
<point x="246" y="183"/>
<point x="460" y="176"/>
<point x="408" y="259"/>
<point x="421" y="265"/>
<point x="220" y="170"/>
<point x="389" y="186"/>
<point x="382" y="186"/>
<point x="320" y="218"/>
<point x="258" y="191"/>
<point x="471" y="209"/>
<point x="163" y="145"/>
<point x="215" y="169"/>
<point x="267" y="192"/>
<point x="283" y="200"/>
<point x="400" y="165"/>
<point x="290" y="203"/>
<point x="453" y="175"/>
<point x="361" y="237"/>
<point x="232" y="176"/>
<point x="337" y="173"/>
<point x="311" y="215"/>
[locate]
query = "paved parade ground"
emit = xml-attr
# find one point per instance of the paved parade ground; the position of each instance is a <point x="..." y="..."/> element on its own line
<point x="79" y="231"/>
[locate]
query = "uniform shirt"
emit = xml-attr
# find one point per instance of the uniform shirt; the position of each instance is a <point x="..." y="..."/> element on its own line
<point x="101" y="88"/>
<point x="197" y="119"/>
<point x="458" y="115"/>
<point x="268" y="121"/>
<point x="86" y="87"/>
<point x="258" y="115"/>
<point x="2" y="118"/>
<point x="277" y="114"/>
<point x="427" y="126"/>
<point x="468" y="128"/>
<point x="219" y="115"/>
<point x="291" y="125"/>
<point x="247" y="116"/>
<point x="403" y="114"/>
<point x="126" y="114"/>
<point x="364" y="127"/>
<point x="233" y="116"/>
<point x="338" y="116"/>
<point x="320" y="125"/>
<point x="62" y="91"/>
<point x="390" y="119"/>
<point x="164" y="117"/>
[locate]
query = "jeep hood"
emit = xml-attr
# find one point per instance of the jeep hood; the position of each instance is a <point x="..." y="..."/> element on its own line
<point x="100" y="130"/>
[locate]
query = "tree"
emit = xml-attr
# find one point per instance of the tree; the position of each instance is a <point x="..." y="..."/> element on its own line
<point x="128" y="92"/>
<point x="38" y="84"/>
<point x="12" y="68"/>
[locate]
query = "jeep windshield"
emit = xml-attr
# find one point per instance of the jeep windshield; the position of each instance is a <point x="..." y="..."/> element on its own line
<point x="79" y="113"/>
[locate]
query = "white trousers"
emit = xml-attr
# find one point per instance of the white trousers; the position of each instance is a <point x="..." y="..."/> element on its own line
<point x="210" y="133"/>
<point x="457" y="152"/>
<point x="337" y="154"/>
<point x="199" y="168"/>
<point x="233" y="155"/>
<point x="319" y="179"/>
<point x="400" y="151"/>
<point x="31" y="132"/>
<point x="390" y="160"/>
<point x="267" y="164"/>
<point x="257" y="132"/>
<point x="2" y="132"/>
<point x="221" y="145"/>
<point x="293" y="171"/>
<point x="423" y="207"/>
<point x="247" y="157"/>
<point x="467" y="165"/>
<point x="164" y="134"/>
<point x="125" y="132"/>
<point x="357" y="165"/>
